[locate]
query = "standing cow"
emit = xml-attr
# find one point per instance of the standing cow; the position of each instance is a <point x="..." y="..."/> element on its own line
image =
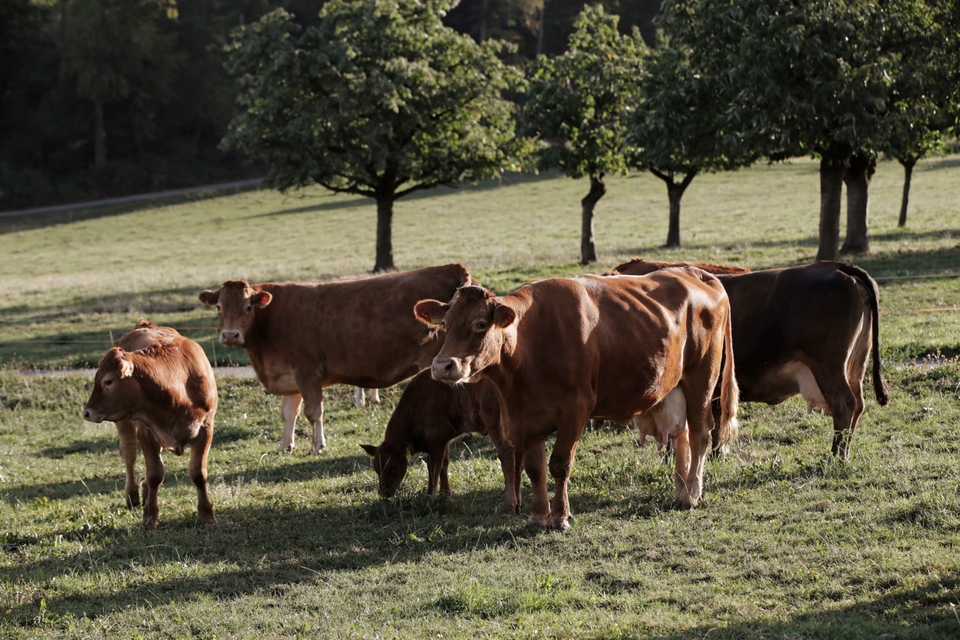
<point x="428" y="416"/>
<point x="304" y="336"/>
<point x="560" y="351"/>
<point x="159" y="389"/>
<point x="804" y="330"/>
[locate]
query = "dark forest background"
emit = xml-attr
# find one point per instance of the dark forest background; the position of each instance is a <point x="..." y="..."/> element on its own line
<point x="102" y="98"/>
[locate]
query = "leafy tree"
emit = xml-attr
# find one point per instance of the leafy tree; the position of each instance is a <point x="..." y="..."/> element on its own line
<point x="120" y="50"/>
<point x="798" y="78"/>
<point x="380" y="100"/>
<point x="576" y="105"/>
<point x="677" y="127"/>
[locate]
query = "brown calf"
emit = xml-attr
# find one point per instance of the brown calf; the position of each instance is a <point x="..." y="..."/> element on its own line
<point x="428" y="416"/>
<point x="159" y="389"/>
<point x="560" y="351"/>
<point x="304" y="336"/>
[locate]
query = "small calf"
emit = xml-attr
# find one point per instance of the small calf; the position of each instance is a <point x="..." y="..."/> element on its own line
<point x="158" y="387"/>
<point x="429" y="415"/>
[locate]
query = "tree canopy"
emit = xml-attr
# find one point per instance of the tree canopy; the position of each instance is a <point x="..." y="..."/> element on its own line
<point x="576" y="106"/>
<point x="379" y="99"/>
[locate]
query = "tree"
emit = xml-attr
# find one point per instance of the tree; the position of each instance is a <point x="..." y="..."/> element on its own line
<point x="798" y="78"/>
<point x="380" y="100"/>
<point x="677" y="127"/>
<point x="576" y="105"/>
<point x="118" y="50"/>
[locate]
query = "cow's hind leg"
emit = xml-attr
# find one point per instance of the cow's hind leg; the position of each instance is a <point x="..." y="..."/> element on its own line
<point x="699" y="426"/>
<point x="155" y="474"/>
<point x="313" y="408"/>
<point x="127" y="430"/>
<point x="845" y="406"/>
<point x="199" y="448"/>
<point x="289" y="410"/>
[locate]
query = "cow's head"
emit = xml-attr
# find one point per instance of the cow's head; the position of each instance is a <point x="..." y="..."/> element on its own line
<point x="236" y="303"/>
<point x="390" y="463"/>
<point x="115" y="391"/>
<point x="477" y="326"/>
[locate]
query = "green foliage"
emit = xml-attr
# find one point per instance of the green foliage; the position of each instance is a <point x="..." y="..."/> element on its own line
<point x="380" y="99"/>
<point x="576" y="102"/>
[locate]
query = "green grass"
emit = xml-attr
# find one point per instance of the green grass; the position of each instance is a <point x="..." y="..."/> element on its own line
<point x="787" y="543"/>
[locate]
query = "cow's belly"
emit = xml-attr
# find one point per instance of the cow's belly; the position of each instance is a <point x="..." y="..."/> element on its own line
<point x="791" y="379"/>
<point x="278" y="379"/>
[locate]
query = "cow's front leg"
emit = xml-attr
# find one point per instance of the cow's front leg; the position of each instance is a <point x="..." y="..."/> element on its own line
<point x="127" y="430"/>
<point x="199" y="448"/>
<point x="313" y="409"/>
<point x="358" y="397"/>
<point x="155" y="474"/>
<point x="561" y="465"/>
<point x="535" y="463"/>
<point x="289" y="410"/>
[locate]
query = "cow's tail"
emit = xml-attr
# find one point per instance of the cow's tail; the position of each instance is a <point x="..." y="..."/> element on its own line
<point x="729" y="392"/>
<point x="880" y="387"/>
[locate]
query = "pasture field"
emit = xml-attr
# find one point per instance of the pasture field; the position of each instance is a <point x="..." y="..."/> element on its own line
<point x="787" y="543"/>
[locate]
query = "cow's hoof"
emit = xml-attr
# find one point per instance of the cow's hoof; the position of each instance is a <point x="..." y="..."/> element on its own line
<point x="537" y="521"/>
<point x="149" y="523"/>
<point x="207" y="518"/>
<point x="133" y="500"/>
<point x="286" y="448"/>
<point x="317" y="450"/>
<point x="558" y="523"/>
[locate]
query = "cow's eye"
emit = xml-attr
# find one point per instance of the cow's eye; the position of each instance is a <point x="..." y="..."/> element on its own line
<point x="480" y="326"/>
<point x="108" y="382"/>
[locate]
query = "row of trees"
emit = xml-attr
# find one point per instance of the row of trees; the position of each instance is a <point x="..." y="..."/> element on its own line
<point x="381" y="99"/>
<point x="108" y="97"/>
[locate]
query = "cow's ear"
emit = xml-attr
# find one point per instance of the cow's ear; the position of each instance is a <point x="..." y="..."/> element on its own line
<point x="369" y="448"/>
<point x="504" y="316"/>
<point x="126" y="367"/>
<point x="209" y="298"/>
<point x="430" y="311"/>
<point x="262" y="298"/>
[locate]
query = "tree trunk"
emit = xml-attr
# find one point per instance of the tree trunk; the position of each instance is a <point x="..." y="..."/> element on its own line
<point x="674" y="194"/>
<point x="832" y="168"/>
<point x="542" y="12"/>
<point x="483" y="21"/>
<point x="62" y="71"/>
<point x="857" y="178"/>
<point x="99" y="137"/>
<point x="588" y="252"/>
<point x="907" y="175"/>
<point x="384" y="233"/>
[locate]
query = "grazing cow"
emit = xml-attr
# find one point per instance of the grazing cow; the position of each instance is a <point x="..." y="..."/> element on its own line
<point x="159" y="389"/>
<point x="429" y="415"/>
<point x="304" y="336"/>
<point x="560" y="351"/>
<point x="804" y="330"/>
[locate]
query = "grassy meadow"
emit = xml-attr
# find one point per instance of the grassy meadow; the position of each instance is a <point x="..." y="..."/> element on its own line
<point x="787" y="543"/>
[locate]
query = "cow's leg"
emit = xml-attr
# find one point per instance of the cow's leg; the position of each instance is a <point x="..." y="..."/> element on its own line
<point x="444" y="478"/>
<point x="155" y="473"/>
<point x="535" y="463"/>
<point x="313" y="409"/>
<point x="374" y="395"/>
<point x="699" y="426"/>
<point x="127" y="430"/>
<point x="845" y="408"/>
<point x="681" y="468"/>
<point x="437" y="470"/>
<point x="358" y="398"/>
<point x="289" y="409"/>
<point x="199" y="448"/>
<point x="715" y="447"/>
<point x="561" y="464"/>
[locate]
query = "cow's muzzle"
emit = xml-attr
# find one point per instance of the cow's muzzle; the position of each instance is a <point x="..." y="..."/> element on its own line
<point x="90" y="415"/>
<point x="450" y="370"/>
<point x="231" y="338"/>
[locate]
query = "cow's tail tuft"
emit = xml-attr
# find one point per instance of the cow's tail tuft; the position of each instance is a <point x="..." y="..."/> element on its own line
<point x="729" y="428"/>
<point x="880" y="387"/>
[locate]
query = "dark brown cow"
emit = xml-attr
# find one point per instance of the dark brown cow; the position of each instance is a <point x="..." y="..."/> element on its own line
<point x="304" y="336"/>
<point x="428" y="416"/>
<point x="804" y="330"/>
<point x="560" y="351"/>
<point x="159" y="389"/>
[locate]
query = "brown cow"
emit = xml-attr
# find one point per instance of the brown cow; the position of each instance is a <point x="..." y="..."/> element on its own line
<point x="560" y="351"/>
<point x="804" y="330"/>
<point x="159" y="389"/>
<point x="304" y="336"/>
<point x="428" y="416"/>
